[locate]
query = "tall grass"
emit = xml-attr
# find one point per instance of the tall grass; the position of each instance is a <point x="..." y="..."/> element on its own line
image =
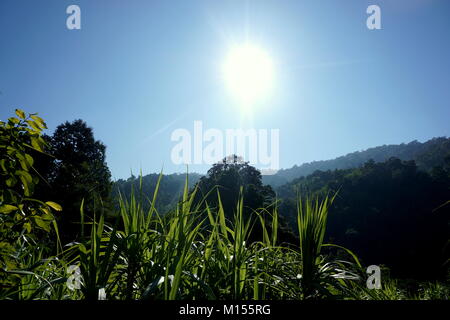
<point x="311" y="221"/>
<point x="196" y="252"/>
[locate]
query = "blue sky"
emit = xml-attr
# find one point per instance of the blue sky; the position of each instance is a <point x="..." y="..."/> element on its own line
<point x="138" y="70"/>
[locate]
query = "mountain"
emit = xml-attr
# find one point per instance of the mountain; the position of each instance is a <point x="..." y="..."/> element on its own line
<point x="427" y="155"/>
<point x="389" y="213"/>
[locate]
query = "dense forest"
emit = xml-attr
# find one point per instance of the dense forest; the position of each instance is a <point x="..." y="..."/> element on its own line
<point x="169" y="192"/>
<point x="223" y="235"/>
<point x="426" y="155"/>
<point x="389" y="212"/>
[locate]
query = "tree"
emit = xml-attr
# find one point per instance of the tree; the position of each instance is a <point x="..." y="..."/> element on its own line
<point x="24" y="221"/>
<point x="229" y="176"/>
<point x="78" y="171"/>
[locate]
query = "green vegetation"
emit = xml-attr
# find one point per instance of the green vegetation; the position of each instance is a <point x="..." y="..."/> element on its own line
<point x="23" y="219"/>
<point x="170" y="189"/>
<point x="76" y="170"/>
<point x="389" y="213"/>
<point x="427" y="155"/>
<point x="219" y="240"/>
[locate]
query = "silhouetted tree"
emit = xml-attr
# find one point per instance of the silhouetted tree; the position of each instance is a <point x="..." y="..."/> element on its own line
<point x="228" y="176"/>
<point x="76" y="170"/>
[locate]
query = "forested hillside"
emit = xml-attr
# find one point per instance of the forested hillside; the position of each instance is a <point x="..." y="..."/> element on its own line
<point x="388" y="213"/>
<point x="426" y="155"/>
<point x="170" y="188"/>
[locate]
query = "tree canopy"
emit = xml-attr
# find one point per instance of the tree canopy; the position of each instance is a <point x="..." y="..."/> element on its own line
<point x="75" y="171"/>
<point x="388" y="213"/>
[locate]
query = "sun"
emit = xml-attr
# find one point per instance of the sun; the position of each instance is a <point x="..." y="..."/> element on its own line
<point x="248" y="73"/>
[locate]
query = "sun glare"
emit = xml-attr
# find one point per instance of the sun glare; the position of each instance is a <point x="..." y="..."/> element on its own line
<point x="248" y="73"/>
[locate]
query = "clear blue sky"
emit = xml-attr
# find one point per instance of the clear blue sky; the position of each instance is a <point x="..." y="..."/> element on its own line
<point x="137" y="70"/>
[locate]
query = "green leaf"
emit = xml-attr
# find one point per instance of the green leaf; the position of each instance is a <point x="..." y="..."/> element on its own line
<point x="39" y="121"/>
<point x="11" y="150"/>
<point x="29" y="159"/>
<point x="44" y="224"/>
<point x="11" y="181"/>
<point x="7" y="208"/>
<point x="27" y="181"/>
<point x="2" y="164"/>
<point x="20" y="113"/>
<point x="47" y="217"/>
<point x="25" y="174"/>
<point x="23" y="161"/>
<point x="54" y="205"/>
<point x="27" y="226"/>
<point x="36" y="144"/>
<point x="34" y="125"/>
<point x="45" y="210"/>
<point x="14" y="120"/>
